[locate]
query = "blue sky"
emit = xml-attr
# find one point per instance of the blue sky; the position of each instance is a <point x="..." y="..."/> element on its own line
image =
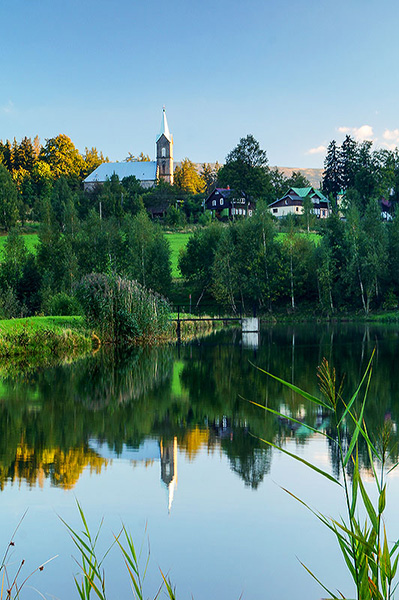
<point x="295" y="74"/>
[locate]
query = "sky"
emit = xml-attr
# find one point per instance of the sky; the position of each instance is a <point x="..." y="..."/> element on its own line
<point x="294" y="73"/>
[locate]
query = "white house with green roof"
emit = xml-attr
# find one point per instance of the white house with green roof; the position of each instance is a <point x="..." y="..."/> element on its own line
<point x="292" y="203"/>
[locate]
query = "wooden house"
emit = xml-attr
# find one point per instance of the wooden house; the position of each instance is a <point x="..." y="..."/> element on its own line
<point x="225" y="204"/>
<point x="292" y="203"/>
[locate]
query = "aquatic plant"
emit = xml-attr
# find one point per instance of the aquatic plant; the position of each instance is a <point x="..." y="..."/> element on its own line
<point x="362" y="537"/>
<point x="12" y="583"/>
<point x="121" y="310"/>
<point x="92" y="569"/>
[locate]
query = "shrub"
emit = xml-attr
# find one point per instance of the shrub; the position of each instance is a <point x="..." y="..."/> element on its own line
<point x="62" y="304"/>
<point x="122" y="310"/>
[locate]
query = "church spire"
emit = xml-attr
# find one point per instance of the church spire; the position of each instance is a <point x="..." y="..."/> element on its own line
<point x="164" y="127"/>
<point x="165" y="151"/>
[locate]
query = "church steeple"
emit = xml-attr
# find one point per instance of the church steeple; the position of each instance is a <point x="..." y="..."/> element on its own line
<point x="164" y="143"/>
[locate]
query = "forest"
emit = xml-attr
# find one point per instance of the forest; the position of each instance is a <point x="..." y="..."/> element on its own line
<point x="348" y="262"/>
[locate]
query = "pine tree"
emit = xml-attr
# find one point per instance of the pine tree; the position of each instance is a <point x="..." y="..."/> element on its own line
<point x="332" y="182"/>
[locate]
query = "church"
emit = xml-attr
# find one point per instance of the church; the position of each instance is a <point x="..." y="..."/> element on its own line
<point x="147" y="173"/>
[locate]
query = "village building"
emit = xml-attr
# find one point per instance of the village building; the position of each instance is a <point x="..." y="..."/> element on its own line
<point x="223" y="203"/>
<point x="148" y="173"/>
<point x="292" y="203"/>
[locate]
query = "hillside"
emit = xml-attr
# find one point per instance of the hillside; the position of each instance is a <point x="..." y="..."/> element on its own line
<point x="313" y="175"/>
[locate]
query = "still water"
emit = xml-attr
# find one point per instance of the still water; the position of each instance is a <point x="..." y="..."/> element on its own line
<point x="165" y="441"/>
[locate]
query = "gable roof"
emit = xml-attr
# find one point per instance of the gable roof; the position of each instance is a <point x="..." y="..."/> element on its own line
<point x="143" y="171"/>
<point x="302" y="193"/>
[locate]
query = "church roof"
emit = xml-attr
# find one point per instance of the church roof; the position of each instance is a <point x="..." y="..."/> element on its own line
<point x="164" y="128"/>
<point x="143" y="171"/>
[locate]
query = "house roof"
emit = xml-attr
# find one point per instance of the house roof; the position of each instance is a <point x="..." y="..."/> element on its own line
<point x="302" y="193"/>
<point x="143" y="171"/>
<point x="164" y="128"/>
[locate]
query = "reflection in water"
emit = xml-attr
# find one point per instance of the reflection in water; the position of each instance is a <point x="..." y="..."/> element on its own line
<point x="149" y="404"/>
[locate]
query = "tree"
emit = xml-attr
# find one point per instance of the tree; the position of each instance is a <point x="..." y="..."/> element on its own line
<point x="209" y="175"/>
<point x="140" y="158"/>
<point x="186" y="178"/>
<point x="246" y="170"/>
<point x="297" y="180"/>
<point x="197" y="258"/>
<point x="332" y="183"/>
<point x="62" y="157"/>
<point x="92" y="159"/>
<point x="147" y="253"/>
<point x="348" y="162"/>
<point x="8" y="200"/>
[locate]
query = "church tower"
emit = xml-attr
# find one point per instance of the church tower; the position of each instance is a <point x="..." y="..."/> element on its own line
<point x="165" y="151"/>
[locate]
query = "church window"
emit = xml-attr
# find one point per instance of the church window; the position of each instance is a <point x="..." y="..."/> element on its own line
<point x="213" y="202"/>
<point x="163" y="152"/>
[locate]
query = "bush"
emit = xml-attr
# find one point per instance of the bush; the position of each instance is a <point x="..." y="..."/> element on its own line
<point x="121" y="310"/>
<point x="63" y="305"/>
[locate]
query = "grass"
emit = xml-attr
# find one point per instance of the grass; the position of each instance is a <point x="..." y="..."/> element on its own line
<point x="313" y="237"/>
<point x="176" y="241"/>
<point x="46" y="337"/>
<point x="371" y="559"/>
<point x="30" y="239"/>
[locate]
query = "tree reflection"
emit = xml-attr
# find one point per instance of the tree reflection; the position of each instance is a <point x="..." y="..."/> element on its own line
<point x="194" y="395"/>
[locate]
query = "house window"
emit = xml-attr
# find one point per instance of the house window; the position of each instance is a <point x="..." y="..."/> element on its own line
<point x="275" y="210"/>
<point x="297" y="208"/>
<point x="221" y="201"/>
<point x="213" y="202"/>
<point x="250" y="213"/>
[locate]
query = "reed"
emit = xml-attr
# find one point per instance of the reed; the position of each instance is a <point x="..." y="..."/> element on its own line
<point x="362" y="537"/>
<point x="14" y="578"/>
<point x="92" y="569"/>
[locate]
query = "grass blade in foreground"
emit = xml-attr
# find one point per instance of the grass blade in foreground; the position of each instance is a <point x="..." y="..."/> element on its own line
<point x="363" y="544"/>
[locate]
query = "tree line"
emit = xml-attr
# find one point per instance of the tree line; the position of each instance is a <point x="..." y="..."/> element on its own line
<point x="352" y="265"/>
<point x="30" y="170"/>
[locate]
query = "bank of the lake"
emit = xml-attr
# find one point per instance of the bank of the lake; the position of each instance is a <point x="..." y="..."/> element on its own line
<point x="45" y="336"/>
<point x="55" y="337"/>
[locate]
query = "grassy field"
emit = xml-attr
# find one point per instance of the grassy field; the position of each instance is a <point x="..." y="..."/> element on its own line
<point x="176" y="241"/>
<point x="29" y="239"/>
<point x="56" y="324"/>
<point x="313" y="237"/>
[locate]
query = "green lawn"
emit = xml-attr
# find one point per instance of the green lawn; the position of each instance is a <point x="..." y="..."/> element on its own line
<point x="176" y="241"/>
<point x="29" y="239"/>
<point x="314" y="237"/>
<point x="55" y="323"/>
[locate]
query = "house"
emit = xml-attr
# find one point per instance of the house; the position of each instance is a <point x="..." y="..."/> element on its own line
<point x="292" y="203"/>
<point x="148" y="172"/>
<point x="223" y="203"/>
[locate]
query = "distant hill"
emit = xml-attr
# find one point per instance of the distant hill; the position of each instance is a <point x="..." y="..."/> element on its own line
<point x="313" y="175"/>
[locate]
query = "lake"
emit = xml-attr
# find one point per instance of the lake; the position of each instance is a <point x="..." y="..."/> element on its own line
<point x="165" y="441"/>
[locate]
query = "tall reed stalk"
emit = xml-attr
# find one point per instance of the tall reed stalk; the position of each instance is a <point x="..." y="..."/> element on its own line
<point x="92" y="569"/>
<point x="371" y="559"/>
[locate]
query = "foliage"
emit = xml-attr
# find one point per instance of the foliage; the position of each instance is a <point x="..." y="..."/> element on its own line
<point x="121" y="310"/>
<point x="93" y="571"/>
<point x="246" y="170"/>
<point x="371" y="560"/>
<point x="187" y="178"/>
<point x="8" y="200"/>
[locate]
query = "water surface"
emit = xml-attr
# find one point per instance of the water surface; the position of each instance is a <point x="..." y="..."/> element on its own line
<point x="166" y="441"/>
